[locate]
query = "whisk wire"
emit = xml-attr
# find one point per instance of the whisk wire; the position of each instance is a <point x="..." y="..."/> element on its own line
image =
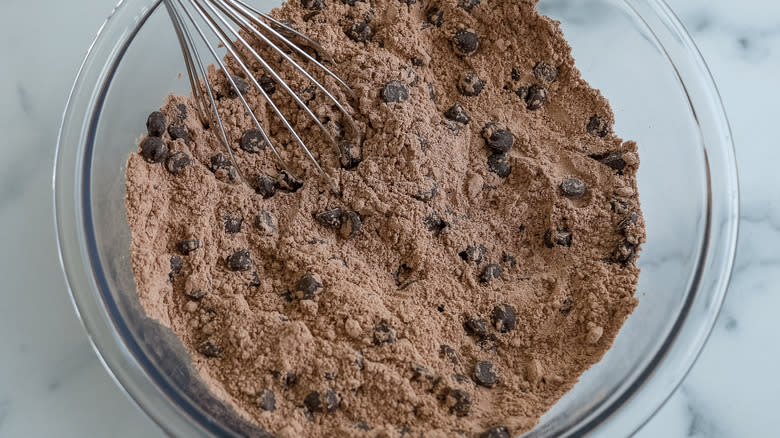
<point x="217" y="16"/>
<point x="240" y="96"/>
<point x="190" y="49"/>
<point x="251" y="14"/>
<point x="231" y="48"/>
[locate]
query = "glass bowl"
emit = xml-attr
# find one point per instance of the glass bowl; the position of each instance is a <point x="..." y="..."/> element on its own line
<point x="635" y="51"/>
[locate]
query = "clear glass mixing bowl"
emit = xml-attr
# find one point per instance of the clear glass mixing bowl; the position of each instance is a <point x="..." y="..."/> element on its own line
<point x="635" y="51"/>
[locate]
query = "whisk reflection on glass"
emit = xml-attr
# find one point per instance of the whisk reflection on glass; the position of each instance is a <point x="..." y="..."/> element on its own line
<point x="199" y="20"/>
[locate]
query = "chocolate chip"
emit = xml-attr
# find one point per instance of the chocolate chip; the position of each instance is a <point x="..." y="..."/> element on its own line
<point x="240" y="260"/>
<point x="469" y="84"/>
<point x="327" y="401"/>
<point x="177" y="161"/>
<point x="432" y="92"/>
<point x="509" y="260"/>
<point x="220" y="161"/>
<point x="488" y="342"/>
<point x="264" y="221"/>
<point x="473" y="253"/>
<point x="307" y="94"/>
<point x="465" y="42"/>
<point x="351" y="155"/>
<point x="182" y="108"/>
<point x="314" y="5"/>
<point x="573" y="188"/>
<point x="504" y="318"/>
<point x="176" y="266"/>
<point x="417" y="62"/>
<point x="498" y="163"/>
<point x="255" y="281"/>
<point x="457" y="113"/>
<point x="497" y="138"/>
<point x="516" y="74"/>
<point x="536" y="97"/>
<point x="402" y="275"/>
<point x="307" y="287"/>
<point x="309" y="16"/>
<point x="360" y="32"/>
<point x="195" y="294"/>
<point x="419" y="372"/>
<point x="395" y="91"/>
<point x="613" y="160"/>
<point x="266" y="400"/>
<point x="155" y="124"/>
<point x="209" y="349"/>
<point x="449" y="353"/>
<point x="429" y="194"/>
<point x="486" y="374"/>
<point x="411" y="76"/>
<point x="624" y="253"/>
<point x="598" y="127"/>
<point x="435" y="16"/>
<point x="434" y="223"/>
<point x="179" y="132"/>
<point x="490" y="273"/>
<point x="233" y="224"/>
<point x="186" y="246"/>
<point x="409" y="2"/>
<point x="289" y="182"/>
<point x="290" y="379"/>
<point x="154" y="150"/>
<point x="332" y="400"/>
<point x="265" y="185"/>
<point x="630" y="219"/>
<point x="229" y="175"/>
<point x="384" y="334"/>
<point x="545" y="72"/>
<point x="329" y="218"/>
<point x="241" y="85"/>
<point x="351" y="224"/>
<point x="522" y="93"/>
<point x="495" y="432"/>
<point x="619" y="206"/>
<point x="566" y="306"/>
<point x="559" y="236"/>
<point x="252" y="141"/>
<point x="268" y="84"/>
<point x="476" y="327"/>
<point x="460" y="378"/>
<point x="459" y="402"/>
<point x="468" y="5"/>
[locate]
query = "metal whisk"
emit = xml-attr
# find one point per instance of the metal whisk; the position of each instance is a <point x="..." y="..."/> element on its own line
<point x="224" y="19"/>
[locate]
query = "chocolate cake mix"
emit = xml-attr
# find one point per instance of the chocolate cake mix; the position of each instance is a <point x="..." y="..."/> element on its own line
<point x="480" y="254"/>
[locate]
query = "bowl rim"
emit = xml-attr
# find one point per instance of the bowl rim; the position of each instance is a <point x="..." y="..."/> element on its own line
<point x="177" y="416"/>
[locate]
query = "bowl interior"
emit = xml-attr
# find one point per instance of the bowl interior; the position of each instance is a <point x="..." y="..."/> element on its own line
<point x="616" y="52"/>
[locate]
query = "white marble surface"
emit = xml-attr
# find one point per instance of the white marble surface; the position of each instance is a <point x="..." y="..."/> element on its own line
<point x="51" y="383"/>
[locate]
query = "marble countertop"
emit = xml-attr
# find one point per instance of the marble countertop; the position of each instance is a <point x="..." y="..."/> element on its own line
<point x="52" y="384"/>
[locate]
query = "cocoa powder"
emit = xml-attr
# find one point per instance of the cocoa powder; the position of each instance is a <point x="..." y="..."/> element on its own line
<point x="481" y="254"/>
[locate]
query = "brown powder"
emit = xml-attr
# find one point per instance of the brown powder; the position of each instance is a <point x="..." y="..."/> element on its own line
<point x="458" y="284"/>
